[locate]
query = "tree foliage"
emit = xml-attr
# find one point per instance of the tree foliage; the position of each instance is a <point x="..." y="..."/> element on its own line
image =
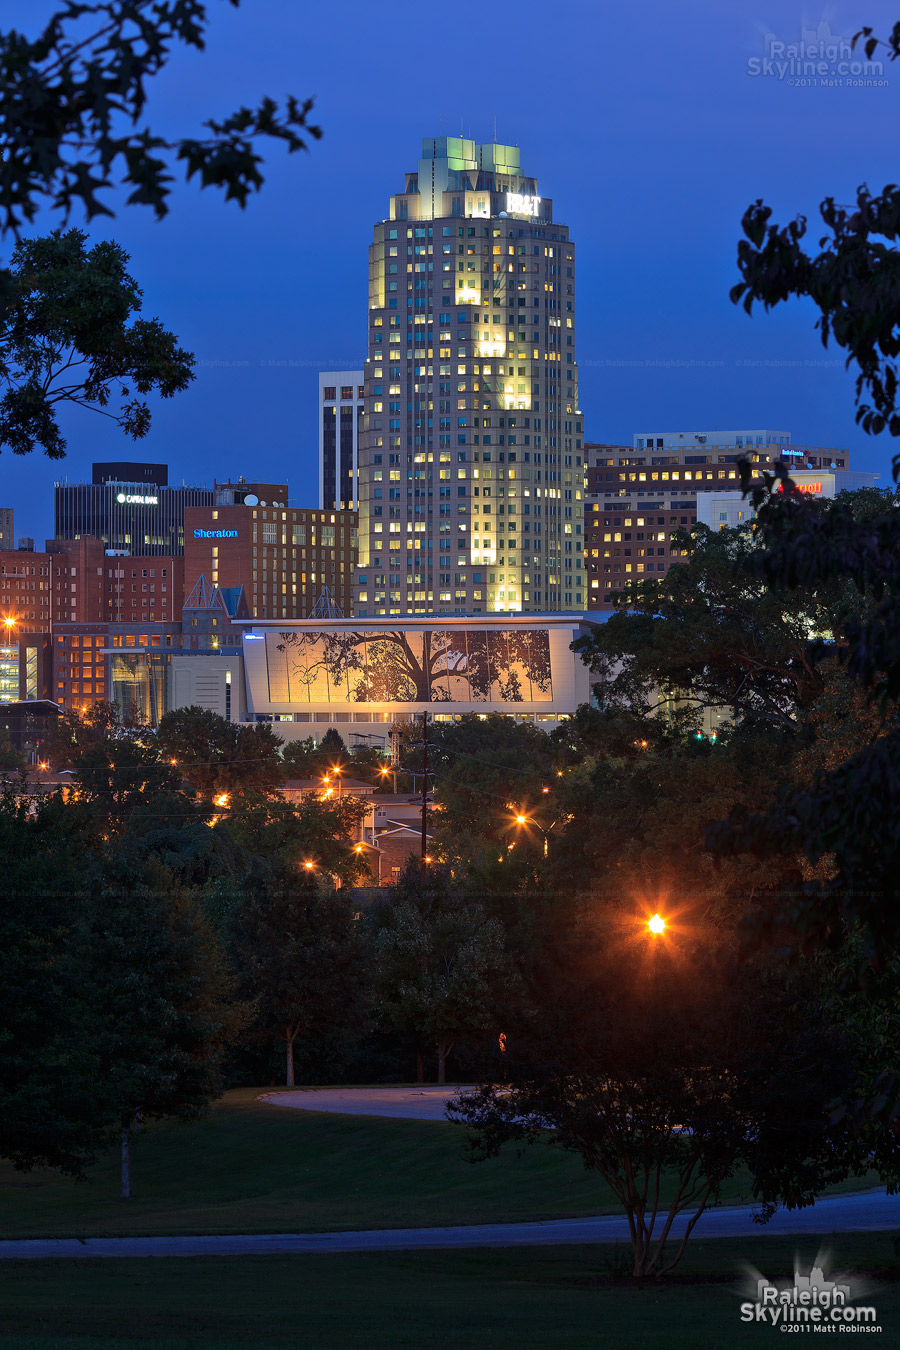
<point x="73" y="109"/>
<point x="217" y="756"/>
<point x="68" y="337"/>
<point x="442" y="963"/>
<point x="665" y="1063"/>
<point x="299" y="955"/>
<point x="712" y="634"/>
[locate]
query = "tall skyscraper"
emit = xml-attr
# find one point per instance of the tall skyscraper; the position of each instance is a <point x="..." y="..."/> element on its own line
<point x="341" y="401"/>
<point x="471" y="453"/>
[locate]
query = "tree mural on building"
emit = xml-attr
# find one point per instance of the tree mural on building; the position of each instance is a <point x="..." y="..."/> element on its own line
<point x="430" y="665"/>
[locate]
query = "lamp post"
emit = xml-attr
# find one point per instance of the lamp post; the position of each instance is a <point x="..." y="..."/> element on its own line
<point x="520" y="819"/>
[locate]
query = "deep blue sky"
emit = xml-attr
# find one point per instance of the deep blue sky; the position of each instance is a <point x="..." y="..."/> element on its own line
<point x="640" y="121"/>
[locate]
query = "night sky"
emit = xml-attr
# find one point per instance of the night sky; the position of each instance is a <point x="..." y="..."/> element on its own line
<point x="640" y="121"/>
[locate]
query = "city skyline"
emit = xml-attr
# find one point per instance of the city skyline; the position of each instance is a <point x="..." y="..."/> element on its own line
<point x="657" y="230"/>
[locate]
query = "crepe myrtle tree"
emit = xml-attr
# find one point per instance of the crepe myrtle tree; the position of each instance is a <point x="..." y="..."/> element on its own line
<point x="666" y="1064"/>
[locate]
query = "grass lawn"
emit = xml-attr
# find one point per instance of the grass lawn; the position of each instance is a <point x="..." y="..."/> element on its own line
<point x="537" y="1297"/>
<point x="255" y="1168"/>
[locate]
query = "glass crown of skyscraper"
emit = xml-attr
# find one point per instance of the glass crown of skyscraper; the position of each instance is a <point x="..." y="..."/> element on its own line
<point x="488" y="179"/>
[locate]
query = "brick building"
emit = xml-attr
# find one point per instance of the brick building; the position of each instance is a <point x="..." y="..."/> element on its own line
<point x="284" y="557"/>
<point x="145" y="588"/>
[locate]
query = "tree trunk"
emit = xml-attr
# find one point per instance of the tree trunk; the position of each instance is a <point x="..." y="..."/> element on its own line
<point x="442" y="1053"/>
<point x="125" y="1184"/>
<point x="289" y="1076"/>
<point x="420" y="1067"/>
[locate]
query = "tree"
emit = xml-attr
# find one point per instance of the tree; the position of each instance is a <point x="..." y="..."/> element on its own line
<point x="332" y="744"/>
<point x="315" y="835"/>
<point x="121" y="774"/>
<point x="115" y="998"/>
<point x="219" y="757"/>
<point x="299" y="954"/>
<point x="73" y="732"/>
<point x="56" y="1107"/>
<point x="11" y="759"/>
<point x="441" y="963"/>
<point x="67" y="337"/>
<point x="485" y="769"/>
<point x="166" y="1011"/>
<point x="74" y="99"/>
<point x="665" y="1063"/>
<point x="712" y="634"/>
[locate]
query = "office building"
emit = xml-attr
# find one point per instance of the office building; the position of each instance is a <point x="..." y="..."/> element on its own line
<point x="471" y="452"/>
<point x="127" y="507"/>
<point x="341" y="405"/>
<point x="63" y="582"/>
<point x="146" y="588"/>
<point x="639" y="495"/>
<point x="285" y="557"/>
<point x="6" y="528"/>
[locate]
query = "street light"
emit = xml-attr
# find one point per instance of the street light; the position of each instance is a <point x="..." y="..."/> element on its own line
<point x="657" y="924"/>
<point x="309" y="866"/>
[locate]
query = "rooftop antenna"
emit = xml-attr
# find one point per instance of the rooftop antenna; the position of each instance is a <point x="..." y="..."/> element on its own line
<point x="495" y="128"/>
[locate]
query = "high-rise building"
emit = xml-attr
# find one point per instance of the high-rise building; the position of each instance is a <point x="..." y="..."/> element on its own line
<point x="6" y="528"/>
<point x="285" y="557"/>
<point x="341" y="403"/>
<point x="471" y="453"/>
<point x="129" y="506"/>
<point x="639" y="495"/>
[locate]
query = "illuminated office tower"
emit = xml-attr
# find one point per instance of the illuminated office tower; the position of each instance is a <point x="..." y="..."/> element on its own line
<point x="471" y="451"/>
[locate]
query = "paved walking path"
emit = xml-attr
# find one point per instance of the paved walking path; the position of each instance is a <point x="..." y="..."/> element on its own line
<point x="419" y="1103"/>
<point x="862" y="1212"/>
<point x="869" y="1211"/>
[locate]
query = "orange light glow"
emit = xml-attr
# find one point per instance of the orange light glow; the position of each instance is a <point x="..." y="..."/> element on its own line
<point x="521" y="820"/>
<point x="657" y="924"/>
<point x="545" y="789"/>
<point x="309" y="866"/>
<point x="222" y="799"/>
<point x="358" y="848"/>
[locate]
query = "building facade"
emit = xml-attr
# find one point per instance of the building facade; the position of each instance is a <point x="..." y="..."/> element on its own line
<point x="471" y="453"/>
<point x="130" y="515"/>
<point x="638" y="496"/>
<point x="361" y="676"/>
<point x="341" y="406"/>
<point x="284" y="557"/>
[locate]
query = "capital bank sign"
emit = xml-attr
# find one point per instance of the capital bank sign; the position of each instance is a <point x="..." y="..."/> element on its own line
<point x="523" y="206"/>
<point x="132" y="499"/>
<point x="215" y="534"/>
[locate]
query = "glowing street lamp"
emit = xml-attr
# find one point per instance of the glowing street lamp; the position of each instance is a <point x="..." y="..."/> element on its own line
<point x="657" y="924"/>
<point x="222" y="799"/>
<point x="309" y="866"/>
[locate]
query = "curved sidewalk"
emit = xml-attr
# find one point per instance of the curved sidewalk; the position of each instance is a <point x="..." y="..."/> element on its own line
<point x="865" y="1212"/>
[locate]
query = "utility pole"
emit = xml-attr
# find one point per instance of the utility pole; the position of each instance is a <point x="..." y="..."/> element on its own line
<point x="424" y="786"/>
